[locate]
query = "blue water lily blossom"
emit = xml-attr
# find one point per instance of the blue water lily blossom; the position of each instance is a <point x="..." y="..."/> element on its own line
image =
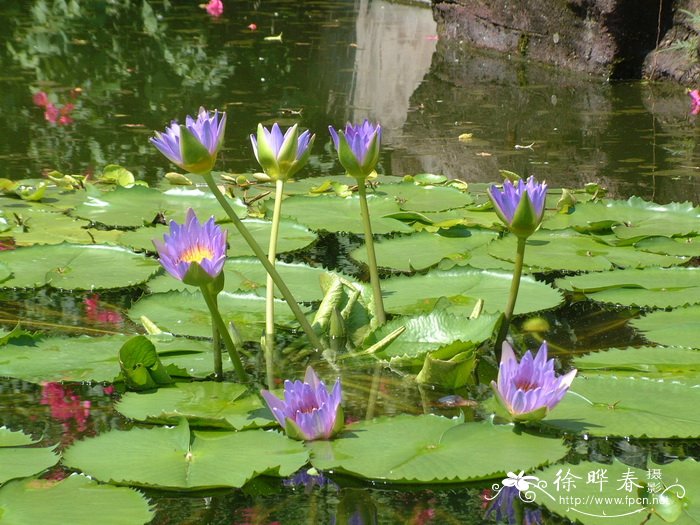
<point x="520" y="206"/>
<point x="193" y="252"/>
<point x="194" y="146"/>
<point x="309" y="411"/>
<point x="281" y="156"/>
<point x="358" y="147"/>
<point x="530" y="389"/>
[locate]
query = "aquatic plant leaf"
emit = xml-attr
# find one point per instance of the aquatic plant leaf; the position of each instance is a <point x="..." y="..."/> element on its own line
<point x="429" y="332"/>
<point x="204" y="404"/>
<point x="606" y="503"/>
<point x="424" y="249"/>
<point x="653" y="361"/>
<point x="678" y="327"/>
<point x="653" y="287"/>
<point x="18" y="461"/>
<point x="463" y="287"/>
<point x="136" y="206"/>
<point x="422" y="449"/>
<point x="336" y="214"/>
<point x="569" y="250"/>
<point x="172" y="458"/>
<point x="76" y="500"/>
<point x="186" y="313"/>
<point x="680" y="247"/>
<point x="413" y="197"/>
<point x="141" y="366"/>
<point x="640" y="407"/>
<point x="247" y="275"/>
<point x="15" y="438"/>
<point x="5" y="272"/>
<point x="96" y="358"/>
<point x="76" y="267"/>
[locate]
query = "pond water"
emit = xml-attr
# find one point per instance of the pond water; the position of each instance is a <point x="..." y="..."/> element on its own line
<point x="129" y="67"/>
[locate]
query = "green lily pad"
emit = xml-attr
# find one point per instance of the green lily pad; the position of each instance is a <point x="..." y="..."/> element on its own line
<point x="568" y="250"/>
<point x="463" y="287"/>
<point x="422" y="449"/>
<point x="247" y="275"/>
<point x="186" y="313"/>
<point x="76" y="267"/>
<point x="680" y="247"/>
<point x="205" y="404"/>
<point x="678" y="327"/>
<point x="18" y="461"/>
<point x="15" y="438"/>
<point x="5" y="272"/>
<point x="424" y="249"/>
<point x="630" y="407"/>
<point x="412" y="197"/>
<point x="616" y="498"/>
<point x="172" y="458"/>
<point x="683" y="363"/>
<point x="336" y="214"/>
<point x="653" y="287"/>
<point x="76" y="500"/>
<point x="136" y="206"/>
<point x="97" y="358"/>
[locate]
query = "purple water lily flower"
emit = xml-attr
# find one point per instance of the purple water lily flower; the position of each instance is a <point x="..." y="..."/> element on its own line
<point x="358" y="147"/>
<point x="281" y="156"/>
<point x="520" y="206"/>
<point x="502" y="508"/>
<point x="194" y="146"/>
<point x="191" y="242"/>
<point x="530" y="389"/>
<point x="308" y="411"/>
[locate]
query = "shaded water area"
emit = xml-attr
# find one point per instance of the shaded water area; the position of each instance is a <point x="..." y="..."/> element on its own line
<point x="129" y="67"/>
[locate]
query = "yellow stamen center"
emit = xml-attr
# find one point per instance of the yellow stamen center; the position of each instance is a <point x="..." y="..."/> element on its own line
<point x="197" y="254"/>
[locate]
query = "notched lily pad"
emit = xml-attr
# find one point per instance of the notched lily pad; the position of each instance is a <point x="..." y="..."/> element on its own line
<point x="17" y="460"/>
<point x="678" y="327"/>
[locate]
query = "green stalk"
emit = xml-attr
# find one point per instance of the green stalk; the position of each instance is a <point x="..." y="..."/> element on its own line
<point x="371" y="257"/>
<point x="257" y="250"/>
<point x="216" y="348"/>
<point x="512" y="297"/>
<point x="270" y="286"/>
<point x="218" y="321"/>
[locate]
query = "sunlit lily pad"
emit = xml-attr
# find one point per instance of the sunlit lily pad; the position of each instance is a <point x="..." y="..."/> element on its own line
<point x="15" y="438"/>
<point x="463" y="287"/>
<point x="681" y="363"/>
<point x="5" y="272"/>
<point x="684" y="246"/>
<point x="76" y="267"/>
<point x="76" y="500"/>
<point x="423" y="250"/>
<point x="137" y="206"/>
<point x="205" y="404"/>
<point x="336" y="214"/>
<point x="630" y="407"/>
<point x="18" y="461"/>
<point x="186" y="313"/>
<point x="423" y="449"/>
<point x="654" y="287"/>
<point x="616" y="498"/>
<point x="173" y="458"/>
<point x="679" y="327"/>
<point x="413" y="197"/>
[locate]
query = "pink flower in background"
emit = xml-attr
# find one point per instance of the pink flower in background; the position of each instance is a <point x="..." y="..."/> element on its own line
<point x="52" y="113"/>
<point x="40" y="99"/>
<point x="694" y="95"/>
<point x="215" y="7"/>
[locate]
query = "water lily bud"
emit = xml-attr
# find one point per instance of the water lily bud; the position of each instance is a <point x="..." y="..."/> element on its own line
<point x="281" y="156"/>
<point x="358" y="148"/>
<point x="520" y="206"/>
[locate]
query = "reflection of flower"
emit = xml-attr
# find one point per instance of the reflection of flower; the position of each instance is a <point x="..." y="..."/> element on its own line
<point x="520" y="206"/>
<point x="215" y="7"/>
<point x="308" y="479"/>
<point x="281" y="156"/>
<point x="96" y="312"/>
<point x="503" y="505"/>
<point x="192" y="242"/>
<point x="530" y="389"/>
<point x="65" y="405"/>
<point x="308" y="411"/>
<point x="55" y="114"/>
<point x="195" y="145"/>
<point x="694" y="95"/>
<point x="358" y="147"/>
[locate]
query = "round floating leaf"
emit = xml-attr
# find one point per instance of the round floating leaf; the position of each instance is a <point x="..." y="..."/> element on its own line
<point x="412" y="197"/>
<point x="337" y="214"/>
<point x="16" y="462"/>
<point x="76" y="267"/>
<point x="97" y="358"/>
<point x="681" y="247"/>
<point x="15" y="438"/>
<point x="655" y="287"/>
<point x="657" y="360"/>
<point x="170" y="458"/>
<point x="424" y="249"/>
<point x="463" y="287"/>
<point x="76" y="500"/>
<point x="206" y="404"/>
<point x="136" y="206"/>
<point x="617" y="499"/>
<point x="628" y="407"/>
<point x="568" y="250"/>
<point x="423" y="449"/>
<point x="186" y="313"/>
<point x="5" y="272"/>
<point x="247" y="275"/>
<point x="678" y="327"/>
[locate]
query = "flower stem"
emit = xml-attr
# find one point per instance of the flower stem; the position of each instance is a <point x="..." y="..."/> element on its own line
<point x="270" y="286"/>
<point x="216" y="348"/>
<point x="512" y="297"/>
<point x="371" y="257"/>
<point x="218" y="321"/>
<point x="257" y="250"/>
